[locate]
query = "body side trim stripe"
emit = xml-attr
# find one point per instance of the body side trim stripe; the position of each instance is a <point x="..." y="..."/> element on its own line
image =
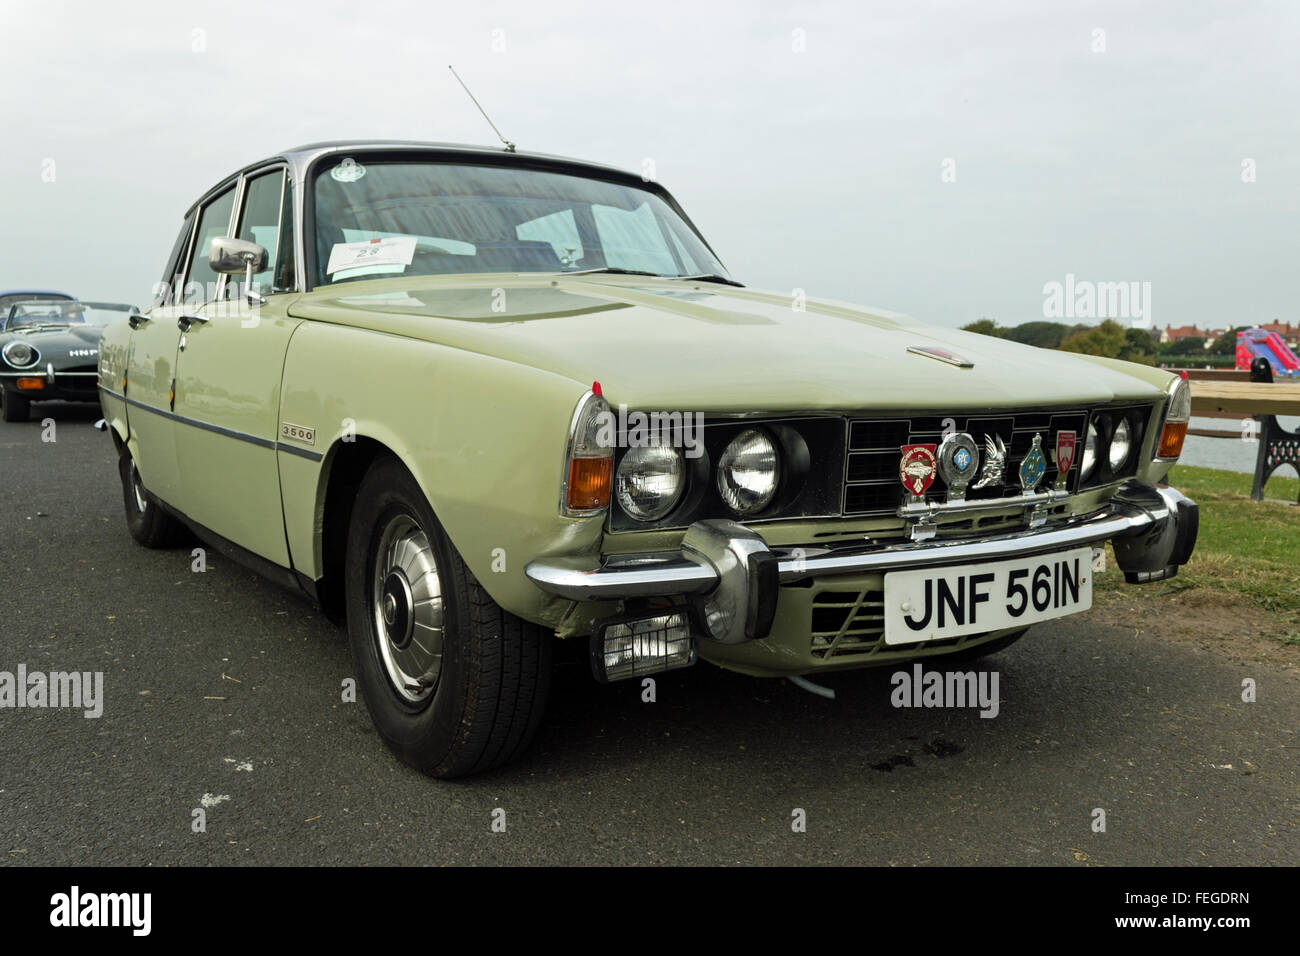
<point x="217" y="429"/>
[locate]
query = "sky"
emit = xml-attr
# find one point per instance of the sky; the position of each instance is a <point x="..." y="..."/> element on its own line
<point x="950" y="161"/>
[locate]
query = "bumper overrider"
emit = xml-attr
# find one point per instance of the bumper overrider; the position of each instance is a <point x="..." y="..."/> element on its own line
<point x="724" y="582"/>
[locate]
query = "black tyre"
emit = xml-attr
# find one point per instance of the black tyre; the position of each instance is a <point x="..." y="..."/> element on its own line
<point x="148" y="523"/>
<point x="17" y="408"/>
<point x="454" y="684"/>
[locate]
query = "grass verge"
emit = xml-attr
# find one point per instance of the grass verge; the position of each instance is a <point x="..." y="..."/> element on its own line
<point x="1249" y="550"/>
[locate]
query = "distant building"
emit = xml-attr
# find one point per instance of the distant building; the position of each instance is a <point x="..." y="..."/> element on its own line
<point x="1286" y="331"/>
<point x="1171" y="334"/>
<point x="1289" y="333"/>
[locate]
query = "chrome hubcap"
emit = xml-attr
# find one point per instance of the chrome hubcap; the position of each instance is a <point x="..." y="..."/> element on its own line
<point x="138" y="487"/>
<point x="408" y="609"/>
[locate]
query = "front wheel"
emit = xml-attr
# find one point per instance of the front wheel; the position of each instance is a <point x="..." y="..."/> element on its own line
<point x="454" y="683"/>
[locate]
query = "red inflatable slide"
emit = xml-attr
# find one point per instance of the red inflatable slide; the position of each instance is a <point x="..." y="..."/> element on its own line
<point x="1258" y="343"/>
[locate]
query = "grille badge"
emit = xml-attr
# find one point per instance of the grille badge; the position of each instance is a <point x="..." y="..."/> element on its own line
<point x="917" y="468"/>
<point x="958" y="461"/>
<point x="1032" y="468"/>
<point x="995" y="462"/>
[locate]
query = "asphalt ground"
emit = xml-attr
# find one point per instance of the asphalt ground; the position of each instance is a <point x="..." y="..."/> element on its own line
<point x="222" y="687"/>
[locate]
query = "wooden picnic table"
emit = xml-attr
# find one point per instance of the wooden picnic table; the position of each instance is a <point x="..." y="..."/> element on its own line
<point x="1262" y="401"/>
<point x="1215" y="399"/>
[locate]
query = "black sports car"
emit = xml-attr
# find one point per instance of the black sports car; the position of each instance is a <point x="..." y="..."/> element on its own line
<point x="49" y="349"/>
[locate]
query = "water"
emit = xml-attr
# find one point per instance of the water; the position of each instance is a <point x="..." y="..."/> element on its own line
<point x="1228" y="454"/>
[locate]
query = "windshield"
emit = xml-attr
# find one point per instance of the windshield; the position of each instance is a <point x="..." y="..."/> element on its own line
<point x="426" y="218"/>
<point x="8" y="300"/>
<point x="51" y="312"/>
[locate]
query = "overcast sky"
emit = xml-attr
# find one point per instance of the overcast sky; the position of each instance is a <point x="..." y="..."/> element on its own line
<point x="807" y="141"/>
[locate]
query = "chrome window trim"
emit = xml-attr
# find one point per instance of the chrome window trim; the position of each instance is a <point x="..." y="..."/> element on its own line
<point x="253" y="173"/>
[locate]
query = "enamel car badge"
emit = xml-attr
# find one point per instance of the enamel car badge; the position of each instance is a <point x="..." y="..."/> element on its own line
<point x="1066" y="442"/>
<point x="995" y="462"/>
<point x="917" y="468"/>
<point x="958" y="460"/>
<point x="1032" y="468"/>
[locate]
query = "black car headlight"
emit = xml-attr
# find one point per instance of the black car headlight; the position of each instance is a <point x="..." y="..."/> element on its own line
<point x="20" y="355"/>
<point x="649" y="481"/>
<point x="748" y="471"/>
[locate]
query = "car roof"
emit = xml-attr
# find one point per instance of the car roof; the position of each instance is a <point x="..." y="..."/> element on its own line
<point x="300" y="158"/>
<point x="8" y="292"/>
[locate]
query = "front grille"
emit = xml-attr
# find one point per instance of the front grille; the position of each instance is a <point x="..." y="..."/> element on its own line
<point x="871" y="483"/>
<point x="847" y="622"/>
<point x="850" y="624"/>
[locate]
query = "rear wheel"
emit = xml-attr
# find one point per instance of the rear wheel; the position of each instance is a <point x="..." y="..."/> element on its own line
<point x="145" y="518"/>
<point x="454" y="684"/>
<point x="17" y="408"/>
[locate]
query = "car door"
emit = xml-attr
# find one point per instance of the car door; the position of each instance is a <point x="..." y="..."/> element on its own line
<point x="151" y="359"/>
<point x="228" y="368"/>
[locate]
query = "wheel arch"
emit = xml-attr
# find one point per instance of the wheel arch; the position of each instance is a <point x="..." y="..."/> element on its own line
<point x="345" y="464"/>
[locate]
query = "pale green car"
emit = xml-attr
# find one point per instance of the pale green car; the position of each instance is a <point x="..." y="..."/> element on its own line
<point x="478" y="401"/>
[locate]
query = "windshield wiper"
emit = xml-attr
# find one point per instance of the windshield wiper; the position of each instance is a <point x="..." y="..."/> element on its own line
<point x="613" y="271"/>
<point x="616" y="271"/>
<point x="710" y="277"/>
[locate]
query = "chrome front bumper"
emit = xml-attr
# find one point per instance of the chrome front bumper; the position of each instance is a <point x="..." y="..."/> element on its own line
<point x="1153" y="531"/>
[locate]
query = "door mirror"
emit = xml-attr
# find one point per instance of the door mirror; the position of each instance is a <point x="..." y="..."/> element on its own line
<point x="233" y="256"/>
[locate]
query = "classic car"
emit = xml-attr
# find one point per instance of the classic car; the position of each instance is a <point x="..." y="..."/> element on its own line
<point x="49" y="349"/>
<point x="484" y="403"/>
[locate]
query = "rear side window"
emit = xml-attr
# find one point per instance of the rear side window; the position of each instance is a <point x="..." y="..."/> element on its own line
<point x="168" y="288"/>
<point x="214" y="221"/>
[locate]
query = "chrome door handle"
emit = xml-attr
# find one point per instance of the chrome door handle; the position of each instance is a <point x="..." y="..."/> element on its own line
<point x="135" y="321"/>
<point x="185" y="321"/>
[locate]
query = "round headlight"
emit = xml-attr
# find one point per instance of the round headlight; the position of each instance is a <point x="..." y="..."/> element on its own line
<point x="748" y="472"/>
<point x="1121" y="444"/>
<point x="20" y="354"/>
<point x="1089" y="453"/>
<point x="650" y="481"/>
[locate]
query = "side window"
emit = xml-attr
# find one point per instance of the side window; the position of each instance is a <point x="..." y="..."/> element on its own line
<point x="168" y="289"/>
<point x="214" y="221"/>
<point x="259" y="222"/>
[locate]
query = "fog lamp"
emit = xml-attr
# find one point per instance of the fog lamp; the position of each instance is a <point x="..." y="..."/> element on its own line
<point x="636" y="646"/>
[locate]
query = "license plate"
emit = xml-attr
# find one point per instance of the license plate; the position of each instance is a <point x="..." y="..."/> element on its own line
<point x="936" y="603"/>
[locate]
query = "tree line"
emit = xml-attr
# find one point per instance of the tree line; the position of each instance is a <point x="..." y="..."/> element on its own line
<point x="1113" y="340"/>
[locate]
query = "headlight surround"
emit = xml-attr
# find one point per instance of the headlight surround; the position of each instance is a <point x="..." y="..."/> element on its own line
<point x="589" y="458"/>
<point x="748" y="472"/>
<point x="1121" y="444"/>
<point x="650" y="481"/>
<point x="1089" y="461"/>
<point x="1177" y="417"/>
<point x="21" y="355"/>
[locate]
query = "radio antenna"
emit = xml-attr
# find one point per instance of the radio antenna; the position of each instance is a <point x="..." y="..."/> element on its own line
<point x="510" y="147"/>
